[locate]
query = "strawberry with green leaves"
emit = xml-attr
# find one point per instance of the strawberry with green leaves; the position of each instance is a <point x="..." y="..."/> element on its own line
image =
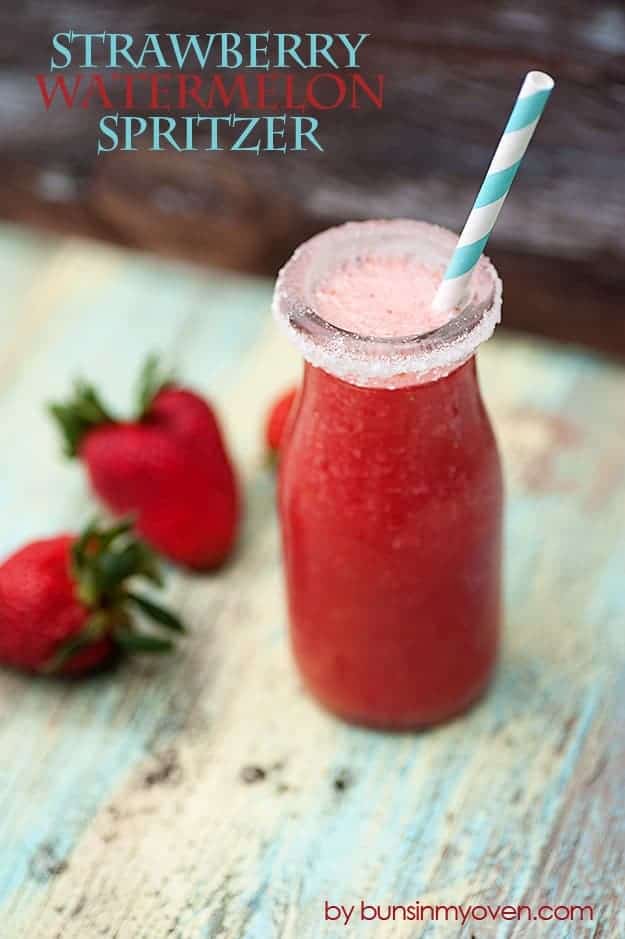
<point x="68" y="603"/>
<point x="168" y="467"/>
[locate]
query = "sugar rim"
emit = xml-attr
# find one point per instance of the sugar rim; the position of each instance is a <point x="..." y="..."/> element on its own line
<point x="374" y="361"/>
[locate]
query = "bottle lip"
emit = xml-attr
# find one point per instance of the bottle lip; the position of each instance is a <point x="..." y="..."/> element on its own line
<point x="374" y="361"/>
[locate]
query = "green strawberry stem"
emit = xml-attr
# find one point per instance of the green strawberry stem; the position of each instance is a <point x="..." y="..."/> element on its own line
<point x="103" y="558"/>
<point x="152" y="379"/>
<point x="158" y="614"/>
<point x="79" y="415"/>
<point x="132" y="641"/>
<point x="103" y="562"/>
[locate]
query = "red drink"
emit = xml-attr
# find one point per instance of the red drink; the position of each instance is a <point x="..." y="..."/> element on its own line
<point x="390" y="499"/>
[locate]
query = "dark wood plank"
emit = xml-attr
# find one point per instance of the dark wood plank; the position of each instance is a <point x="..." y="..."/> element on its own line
<point x="451" y="72"/>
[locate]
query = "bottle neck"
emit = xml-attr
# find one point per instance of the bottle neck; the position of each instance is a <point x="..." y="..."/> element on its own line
<point x="439" y="402"/>
<point x="438" y="419"/>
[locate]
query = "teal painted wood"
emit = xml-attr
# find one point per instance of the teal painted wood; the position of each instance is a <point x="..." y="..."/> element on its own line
<point x="124" y="812"/>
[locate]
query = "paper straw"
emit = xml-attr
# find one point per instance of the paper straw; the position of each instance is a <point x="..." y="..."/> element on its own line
<point x="527" y="110"/>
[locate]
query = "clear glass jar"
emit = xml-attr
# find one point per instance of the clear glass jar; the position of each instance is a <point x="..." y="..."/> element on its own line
<point x="390" y="496"/>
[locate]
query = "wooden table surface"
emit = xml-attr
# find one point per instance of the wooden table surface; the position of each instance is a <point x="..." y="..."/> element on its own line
<point x="125" y="812"/>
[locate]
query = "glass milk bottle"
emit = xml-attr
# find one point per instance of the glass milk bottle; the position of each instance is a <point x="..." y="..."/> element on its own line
<point x="390" y="490"/>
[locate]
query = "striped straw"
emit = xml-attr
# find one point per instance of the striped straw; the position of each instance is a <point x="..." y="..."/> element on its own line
<point x="518" y="132"/>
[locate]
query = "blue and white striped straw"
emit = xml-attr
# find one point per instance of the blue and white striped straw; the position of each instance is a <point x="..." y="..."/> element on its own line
<point x="518" y="132"/>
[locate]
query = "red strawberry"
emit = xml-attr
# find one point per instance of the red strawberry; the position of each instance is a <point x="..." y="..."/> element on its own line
<point x="65" y="605"/>
<point x="276" y="421"/>
<point x="168" y="467"/>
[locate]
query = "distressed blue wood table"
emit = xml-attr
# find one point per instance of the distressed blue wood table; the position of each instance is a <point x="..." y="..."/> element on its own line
<point x="125" y="811"/>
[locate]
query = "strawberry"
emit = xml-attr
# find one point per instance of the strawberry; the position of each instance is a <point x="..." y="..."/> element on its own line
<point x="276" y="422"/>
<point x="65" y="603"/>
<point x="168" y="467"/>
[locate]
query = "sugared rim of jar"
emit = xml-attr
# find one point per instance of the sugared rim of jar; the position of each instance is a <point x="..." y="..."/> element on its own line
<point x="374" y="361"/>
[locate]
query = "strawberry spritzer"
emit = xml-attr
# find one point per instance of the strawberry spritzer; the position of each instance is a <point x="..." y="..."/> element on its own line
<point x="390" y="481"/>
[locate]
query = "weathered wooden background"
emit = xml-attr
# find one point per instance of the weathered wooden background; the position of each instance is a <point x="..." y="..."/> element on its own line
<point x="451" y="70"/>
<point x="206" y="797"/>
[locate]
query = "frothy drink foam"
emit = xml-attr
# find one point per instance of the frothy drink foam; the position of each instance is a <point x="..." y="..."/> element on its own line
<point x="384" y="296"/>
